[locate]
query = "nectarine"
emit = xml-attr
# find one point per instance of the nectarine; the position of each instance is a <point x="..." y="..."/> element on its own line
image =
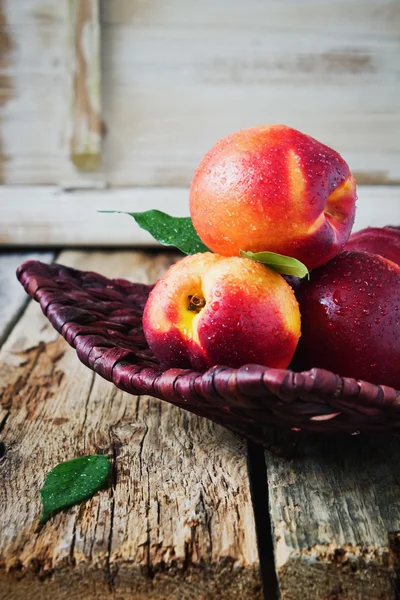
<point x="377" y="240"/>
<point x="208" y="309"/>
<point x="273" y="188"/>
<point x="351" y="318"/>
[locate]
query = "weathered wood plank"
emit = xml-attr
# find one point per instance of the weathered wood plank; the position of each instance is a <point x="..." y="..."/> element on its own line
<point x="335" y="514"/>
<point x="175" y="79"/>
<point x="12" y="296"/>
<point x="71" y="218"/>
<point x="85" y="143"/>
<point x="5" y="78"/>
<point x="177" y="521"/>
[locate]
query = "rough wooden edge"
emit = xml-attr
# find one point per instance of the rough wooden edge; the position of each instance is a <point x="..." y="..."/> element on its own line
<point x="85" y="143"/>
<point x="336" y="572"/>
<point x="59" y="217"/>
<point x="335" y="517"/>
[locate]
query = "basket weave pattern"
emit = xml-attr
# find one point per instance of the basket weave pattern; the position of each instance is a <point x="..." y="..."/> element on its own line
<point x="102" y="320"/>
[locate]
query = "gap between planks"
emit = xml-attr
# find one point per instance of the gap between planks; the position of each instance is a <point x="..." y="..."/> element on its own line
<point x="257" y="471"/>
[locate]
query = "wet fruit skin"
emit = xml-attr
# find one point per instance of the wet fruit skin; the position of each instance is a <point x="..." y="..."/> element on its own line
<point x="351" y="318"/>
<point x="208" y="310"/>
<point x="273" y="188"/>
<point x="377" y="240"/>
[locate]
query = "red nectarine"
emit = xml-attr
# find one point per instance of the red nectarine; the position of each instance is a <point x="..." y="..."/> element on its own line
<point x="350" y="314"/>
<point x="273" y="188"/>
<point x="208" y="309"/>
<point x="377" y="240"/>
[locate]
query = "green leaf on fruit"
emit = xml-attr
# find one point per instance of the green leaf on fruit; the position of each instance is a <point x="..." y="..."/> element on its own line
<point x="286" y="265"/>
<point x="72" y="482"/>
<point x="170" y="231"/>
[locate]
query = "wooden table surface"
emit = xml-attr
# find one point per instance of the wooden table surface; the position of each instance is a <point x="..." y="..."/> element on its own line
<point x="193" y="510"/>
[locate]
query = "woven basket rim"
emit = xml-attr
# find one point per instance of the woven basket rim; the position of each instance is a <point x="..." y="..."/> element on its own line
<point x="259" y="396"/>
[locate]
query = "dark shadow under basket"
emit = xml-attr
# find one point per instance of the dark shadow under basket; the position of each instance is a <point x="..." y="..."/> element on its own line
<point x="102" y="319"/>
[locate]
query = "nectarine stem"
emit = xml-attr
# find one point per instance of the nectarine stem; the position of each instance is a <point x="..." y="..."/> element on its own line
<point x="196" y="302"/>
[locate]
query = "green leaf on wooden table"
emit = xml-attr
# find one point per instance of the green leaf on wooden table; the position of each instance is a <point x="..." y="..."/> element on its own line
<point x="286" y="265"/>
<point x="170" y="231"/>
<point x="72" y="482"/>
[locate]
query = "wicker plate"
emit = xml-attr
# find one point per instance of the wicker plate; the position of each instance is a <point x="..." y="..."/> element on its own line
<point x="101" y="319"/>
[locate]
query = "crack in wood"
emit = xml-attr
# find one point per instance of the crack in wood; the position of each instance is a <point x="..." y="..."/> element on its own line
<point x="4" y="421"/>
<point x="85" y="414"/>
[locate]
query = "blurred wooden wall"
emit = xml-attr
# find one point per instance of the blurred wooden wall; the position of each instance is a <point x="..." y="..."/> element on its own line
<point x="162" y="80"/>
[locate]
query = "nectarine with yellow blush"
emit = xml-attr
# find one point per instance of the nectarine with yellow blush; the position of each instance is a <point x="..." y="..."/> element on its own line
<point x="209" y="309"/>
<point x="273" y="188"/>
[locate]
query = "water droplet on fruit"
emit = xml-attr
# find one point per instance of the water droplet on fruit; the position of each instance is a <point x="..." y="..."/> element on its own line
<point x="377" y="320"/>
<point x="157" y="326"/>
<point x="215" y="305"/>
<point x="366" y="311"/>
<point x="217" y="293"/>
<point x="337" y="298"/>
<point x="223" y="180"/>
<point x="356" y="322"/>
<point x="384" y="312"/>
<point x="361" y="289"/>
<point x="170" y="295"/>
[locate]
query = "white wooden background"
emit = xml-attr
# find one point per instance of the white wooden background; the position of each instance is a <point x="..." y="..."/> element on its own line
<point x="176" y="76"/>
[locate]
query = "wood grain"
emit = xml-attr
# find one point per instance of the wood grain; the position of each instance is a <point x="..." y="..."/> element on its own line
<point x="12" y="303"/>
<point x="177" y="520"/>
<point x="5" y="79"/>
<point x="176" y="78"/>
<point x="85" y="144"/>
<point x="335" y="515"/>
<point x="71" y="217"/>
